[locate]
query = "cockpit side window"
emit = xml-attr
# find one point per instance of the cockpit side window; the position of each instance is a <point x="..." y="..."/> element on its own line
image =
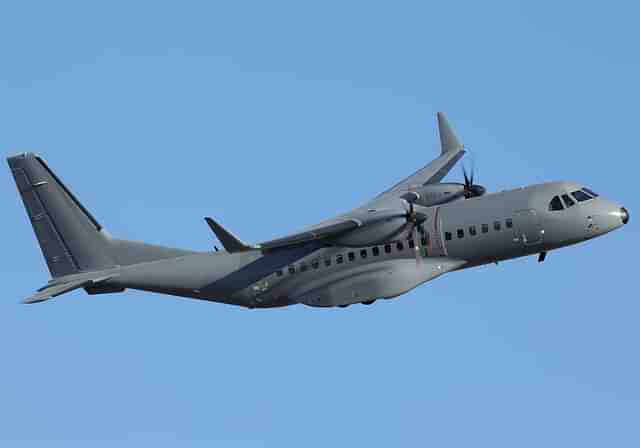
<point x="555" y="204"/>
<point x="580" y="196"/>
<point x="590" y="192"/>
<point x="568" y="201"/>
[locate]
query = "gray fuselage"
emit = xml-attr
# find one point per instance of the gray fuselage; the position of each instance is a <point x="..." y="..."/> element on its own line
<point x="457" y="235"/>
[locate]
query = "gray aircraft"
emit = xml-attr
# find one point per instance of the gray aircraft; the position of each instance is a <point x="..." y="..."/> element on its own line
<point x="410" y="234"/>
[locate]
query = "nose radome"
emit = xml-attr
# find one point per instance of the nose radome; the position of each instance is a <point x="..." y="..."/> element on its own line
<point x="624" y="215"/>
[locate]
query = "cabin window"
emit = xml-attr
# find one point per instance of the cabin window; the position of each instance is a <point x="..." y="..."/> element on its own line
<point x="472" y="230"/>
<point x="580" y="196"/>
<point x="327" y="262"/>
<point x="460" y="233"/>
<point x="568" y="201"/>
<point x="509" y="223"/>
<point x="363" y="253"/>
<point x="292" y="270"/>
<point x="556" y="204"/>
<point x="352" y="256"/>
<point x="496" y="226"/>
<point x="315" y="264"/>
<point x="303" y="267"/>
<point x="340" y="259"/>
<point x="399" y="245"/>
<point x="411" y="244"/>
<point x="447" y="236"/>
<point x="279" y="273"/>
<point x="485" y="228"/>
<point x="375" y="251"/>
<point x="387" y="248"/>
<point x="590" y="192"/>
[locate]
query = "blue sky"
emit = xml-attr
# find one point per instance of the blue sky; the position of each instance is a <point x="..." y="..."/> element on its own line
<point x="274" y="115"/>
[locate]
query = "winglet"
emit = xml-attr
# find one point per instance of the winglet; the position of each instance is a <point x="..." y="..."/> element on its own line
<point x="448" y="140"/>
<point x="229" y="241"/>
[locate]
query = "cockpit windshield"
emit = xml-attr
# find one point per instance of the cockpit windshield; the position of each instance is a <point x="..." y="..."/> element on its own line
<point x="590" y="192"/>
<point x="581" y="196"/>
<point x="556" y="204"/>
<point x="568" y="201"/>
<point x="562" y="201"/>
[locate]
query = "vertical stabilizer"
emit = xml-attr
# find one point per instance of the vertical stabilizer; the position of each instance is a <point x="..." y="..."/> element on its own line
<point x="69" y="236"/>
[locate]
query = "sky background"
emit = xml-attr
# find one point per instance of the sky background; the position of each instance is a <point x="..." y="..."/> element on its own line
<point x="271" y="116"/>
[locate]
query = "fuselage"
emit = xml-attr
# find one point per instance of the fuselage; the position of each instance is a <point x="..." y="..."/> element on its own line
<point x="457" y="235"/>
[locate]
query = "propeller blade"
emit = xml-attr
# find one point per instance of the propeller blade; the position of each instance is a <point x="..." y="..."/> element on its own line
<point x="470" y="188"/>
<point x="466" y="178"/>
<point x="416" y="245"/>
<point x="473" y="170"/>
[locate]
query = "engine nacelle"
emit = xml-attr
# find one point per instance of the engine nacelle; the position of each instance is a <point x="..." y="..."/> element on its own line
<point x="376" y="227"/>
<point x="437" y="194"/>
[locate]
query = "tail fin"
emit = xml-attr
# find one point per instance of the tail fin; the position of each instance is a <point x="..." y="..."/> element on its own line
<point x="68" y="234"/>
<point x="70" y="238"/>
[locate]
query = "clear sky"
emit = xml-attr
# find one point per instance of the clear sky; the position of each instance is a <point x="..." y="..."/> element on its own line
<point x="274" y="115"/>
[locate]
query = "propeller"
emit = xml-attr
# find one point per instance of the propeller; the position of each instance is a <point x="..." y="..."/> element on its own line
<point x="415" y="219"/>
<point x="470" y="189"/>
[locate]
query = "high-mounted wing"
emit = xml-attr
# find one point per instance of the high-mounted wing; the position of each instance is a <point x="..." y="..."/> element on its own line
<point x="381" y="218"/>
<point x="325" y="230"/>
<point x="451" y="151"/>
<point x="317" y="233"/>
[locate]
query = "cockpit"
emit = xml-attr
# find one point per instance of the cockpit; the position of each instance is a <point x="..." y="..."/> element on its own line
<point x="562" y="201"/>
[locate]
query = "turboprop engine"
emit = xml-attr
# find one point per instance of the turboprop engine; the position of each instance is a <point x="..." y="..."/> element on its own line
<point x="376" y="226"/>
<point x="437" y="194"/>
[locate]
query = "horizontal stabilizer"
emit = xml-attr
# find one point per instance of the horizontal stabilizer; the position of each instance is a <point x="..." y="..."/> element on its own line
<point x="54" y="290"/>
<point x="230" y="242"/>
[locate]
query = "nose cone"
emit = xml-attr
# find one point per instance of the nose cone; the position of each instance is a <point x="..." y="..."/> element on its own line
<point x="624" y="215"/>
<point x="604" y="216"/>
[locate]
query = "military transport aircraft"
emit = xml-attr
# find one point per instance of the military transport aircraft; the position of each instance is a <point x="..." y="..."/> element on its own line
<point x="414" y="232"/>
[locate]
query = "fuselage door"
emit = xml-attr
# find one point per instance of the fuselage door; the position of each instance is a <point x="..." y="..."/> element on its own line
<point x="527" y="227"/>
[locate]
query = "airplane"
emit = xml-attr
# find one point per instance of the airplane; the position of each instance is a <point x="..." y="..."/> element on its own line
<point x="412" y="233"/>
